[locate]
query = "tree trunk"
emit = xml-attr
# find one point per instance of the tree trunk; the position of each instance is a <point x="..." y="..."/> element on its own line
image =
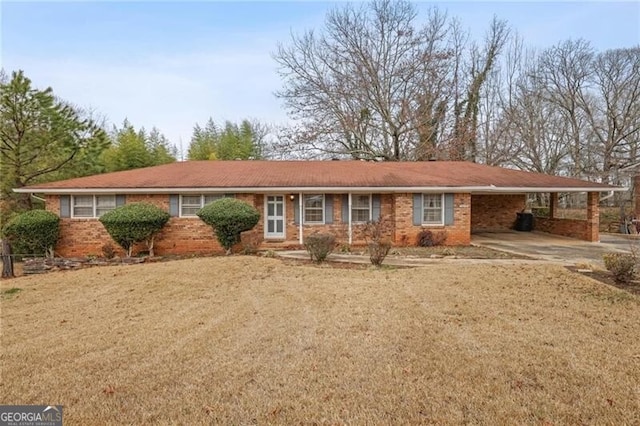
<point x="150" y="245"/>
<point x="7" y="260"/>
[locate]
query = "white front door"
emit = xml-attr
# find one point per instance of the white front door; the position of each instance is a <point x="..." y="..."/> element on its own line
<point x="274" y="214"/>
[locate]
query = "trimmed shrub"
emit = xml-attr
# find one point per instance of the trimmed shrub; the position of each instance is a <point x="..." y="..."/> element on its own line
<point x="320" y="245"/>
<point x="621" y="265"/>
<point x="134" y="223"/>
<point x="427" y="238"/>
<point x="229" y="217"/>
<point x="34" y="232"/>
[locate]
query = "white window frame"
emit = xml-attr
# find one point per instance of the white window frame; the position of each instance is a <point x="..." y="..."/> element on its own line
<point x="424" y="209"/>
<point x="304" y="210"/>
<point x="94" y="205"/>
<point x="202" y="202"/>
<point x="354" y="208"/>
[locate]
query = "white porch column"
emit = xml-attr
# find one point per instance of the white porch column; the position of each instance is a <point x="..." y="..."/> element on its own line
<point x="350" y="227"/>
<point x="301" y="240"/>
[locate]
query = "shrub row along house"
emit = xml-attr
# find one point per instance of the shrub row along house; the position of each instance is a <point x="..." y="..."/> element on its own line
<point x="297" y="198"/>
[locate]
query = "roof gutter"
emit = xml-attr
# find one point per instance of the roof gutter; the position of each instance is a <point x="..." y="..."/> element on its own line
<point x="327" y="189"/>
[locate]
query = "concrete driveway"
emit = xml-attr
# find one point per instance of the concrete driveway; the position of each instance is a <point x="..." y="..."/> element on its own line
<point x="554" y="248"/>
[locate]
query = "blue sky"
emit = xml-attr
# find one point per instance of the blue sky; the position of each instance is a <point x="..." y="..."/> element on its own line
<point x="172" y="64"/>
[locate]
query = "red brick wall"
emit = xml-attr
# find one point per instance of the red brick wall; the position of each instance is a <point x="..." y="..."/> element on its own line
<point x="406" y="232"/>
<point x="181" y="235"/>
<point x="573" y="228"/>
<point x="338" y="227"/>
<point x="83" y="237"/>
<point x="495" y="212"/>
<point x="587" y="230"/>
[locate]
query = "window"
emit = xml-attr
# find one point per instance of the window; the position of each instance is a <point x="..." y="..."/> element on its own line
<point x="105" y="203"/>
<point x="190" y="204"/>
<point x="360" y="208"/>
<point x="314" y="208"/>
<point x="93" y="205"/>
<point x="432" y="209"/>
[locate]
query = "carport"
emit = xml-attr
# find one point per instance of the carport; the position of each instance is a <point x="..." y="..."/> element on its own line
<point x="554" y="248"/>
<point x="496" y="212"/>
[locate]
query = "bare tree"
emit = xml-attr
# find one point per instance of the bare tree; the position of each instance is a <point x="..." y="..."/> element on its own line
<point x="374" y="84"/>
<point x="563" y="73"/>
<point x="481" y="63"/>
<point x="612" y="110"/>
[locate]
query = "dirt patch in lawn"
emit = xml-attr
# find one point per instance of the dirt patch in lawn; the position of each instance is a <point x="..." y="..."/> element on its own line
<point x="245" y="340"/>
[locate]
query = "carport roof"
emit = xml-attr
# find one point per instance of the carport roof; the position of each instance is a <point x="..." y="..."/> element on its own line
<point x="339" y="176"/>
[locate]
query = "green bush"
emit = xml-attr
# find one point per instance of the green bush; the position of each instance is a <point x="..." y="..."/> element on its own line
<point x="135" y="223"/>
<point x="320" y="245"/>
<point x="34" y="232"/>
<point x="229" y="217"/>
<point x="621" y="265"/>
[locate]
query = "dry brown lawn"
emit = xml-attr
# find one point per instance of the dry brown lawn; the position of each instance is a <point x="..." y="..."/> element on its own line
<point x="246" y="340"/>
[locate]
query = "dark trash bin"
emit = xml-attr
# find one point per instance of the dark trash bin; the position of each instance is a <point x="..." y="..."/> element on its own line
<point x="524" y="222"/>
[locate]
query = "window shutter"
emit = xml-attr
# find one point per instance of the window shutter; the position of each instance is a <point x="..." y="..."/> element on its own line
<point x="174" y="205"/>
<point x="328" y="209"/>
<point x="345" y="208"/>
<point x="121" y="200"/>
<point x="230" y="195"/>
<point x="296" y="210"/>
<point x="65" y="206"/>
<point x="448" y="209"/>
<point x="375" y="207"/>
<point x="417" y="209"/>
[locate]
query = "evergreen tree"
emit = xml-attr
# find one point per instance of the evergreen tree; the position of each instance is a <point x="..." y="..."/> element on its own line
<point x="41" y="137"/>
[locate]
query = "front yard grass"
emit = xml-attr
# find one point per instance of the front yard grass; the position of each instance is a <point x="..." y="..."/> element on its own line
<point x="245" y="340"/>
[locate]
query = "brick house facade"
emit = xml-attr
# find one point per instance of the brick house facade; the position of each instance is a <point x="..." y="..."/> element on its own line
<point x="339" y="197"/>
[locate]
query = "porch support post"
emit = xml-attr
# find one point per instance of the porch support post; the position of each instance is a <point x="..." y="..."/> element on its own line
<point x="300" y="228"/>
<point x="593" y="217"/>
<point x="553" y="204"/>
<point x="350" y="226"/>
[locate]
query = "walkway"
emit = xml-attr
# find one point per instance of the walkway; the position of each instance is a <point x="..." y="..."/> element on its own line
<point x="538" y="246"/>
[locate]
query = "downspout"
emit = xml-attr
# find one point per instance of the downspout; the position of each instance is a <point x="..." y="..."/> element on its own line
<point x="300" y="219"/>
<point x="607" y="196"/>
<point x="350" y="227"/>
<point x="38" y="198"/>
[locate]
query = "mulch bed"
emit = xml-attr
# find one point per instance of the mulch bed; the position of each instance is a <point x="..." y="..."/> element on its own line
<point x="607" y="278"/>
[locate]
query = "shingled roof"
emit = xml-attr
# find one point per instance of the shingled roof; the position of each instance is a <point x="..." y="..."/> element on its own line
<point x="256" y="176"/>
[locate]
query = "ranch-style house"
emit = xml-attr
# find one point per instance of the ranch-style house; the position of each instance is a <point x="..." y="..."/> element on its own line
<point x="297" y="198"/>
